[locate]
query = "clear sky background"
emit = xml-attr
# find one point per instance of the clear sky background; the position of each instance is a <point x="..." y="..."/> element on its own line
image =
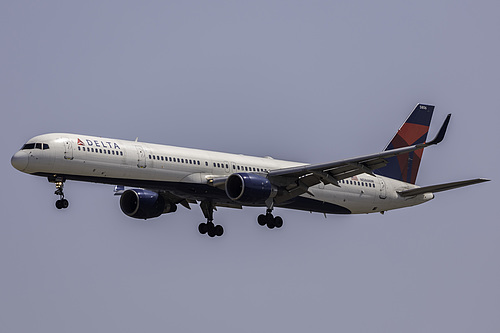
<point x="311" y="81"/>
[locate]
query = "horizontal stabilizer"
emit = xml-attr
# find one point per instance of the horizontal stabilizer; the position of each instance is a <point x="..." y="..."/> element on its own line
<point x="440" y="187"/>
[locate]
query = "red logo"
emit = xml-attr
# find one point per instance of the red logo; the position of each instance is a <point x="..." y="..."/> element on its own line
<point x="80" y="143"/>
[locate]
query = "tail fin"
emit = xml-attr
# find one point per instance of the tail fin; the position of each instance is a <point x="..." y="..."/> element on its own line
<point x="404" y="167"/>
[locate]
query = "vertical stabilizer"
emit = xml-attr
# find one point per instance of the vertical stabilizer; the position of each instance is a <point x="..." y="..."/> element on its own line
<point x="404" y="167"/>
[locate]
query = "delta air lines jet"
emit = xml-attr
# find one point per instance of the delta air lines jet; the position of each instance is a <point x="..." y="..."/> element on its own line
<point x="159" y="177"/>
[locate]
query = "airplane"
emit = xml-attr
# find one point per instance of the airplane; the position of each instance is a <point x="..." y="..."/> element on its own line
<point x="158" y="178"/>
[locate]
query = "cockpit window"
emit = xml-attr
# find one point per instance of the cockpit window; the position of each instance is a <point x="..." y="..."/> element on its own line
<point x="37" y="145"/>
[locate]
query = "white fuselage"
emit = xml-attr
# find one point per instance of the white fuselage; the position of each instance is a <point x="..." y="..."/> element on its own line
<point x="188" y="172"/>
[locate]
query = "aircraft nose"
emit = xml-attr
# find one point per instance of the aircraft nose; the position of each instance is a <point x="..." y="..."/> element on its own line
<point x="20" y="160"/>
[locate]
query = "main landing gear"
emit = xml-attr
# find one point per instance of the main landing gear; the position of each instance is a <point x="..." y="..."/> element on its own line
<point x="61" y="203"/>
<point x="269" y="220"/>
<point x="212" y="230"/>
<point x="209" y="228"/>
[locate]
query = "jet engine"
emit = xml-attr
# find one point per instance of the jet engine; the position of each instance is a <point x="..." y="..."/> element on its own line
<point x="144" y="204"/>
<point x="249" y="188"/>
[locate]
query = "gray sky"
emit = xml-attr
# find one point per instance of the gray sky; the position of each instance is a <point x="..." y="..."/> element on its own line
<point x="310" y="81"/>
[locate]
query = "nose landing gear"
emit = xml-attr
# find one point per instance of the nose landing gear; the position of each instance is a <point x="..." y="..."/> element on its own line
<point x="61" y="203"/>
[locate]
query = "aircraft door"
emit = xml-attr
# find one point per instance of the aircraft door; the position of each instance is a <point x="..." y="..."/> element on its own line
<point x="383" y="191"/>
<point x="68" y="149"/>
<point x="141" y="157"/>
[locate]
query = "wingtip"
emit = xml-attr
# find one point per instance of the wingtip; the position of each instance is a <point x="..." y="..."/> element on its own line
<point x="442" y="131"/>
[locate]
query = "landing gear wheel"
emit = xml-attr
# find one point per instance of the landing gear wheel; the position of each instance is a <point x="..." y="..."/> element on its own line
<point x="211" y="229"/>
<point x="278" y="222"/>
<point x="269" y="220"/>
<point x="62" y="203"/>
<point x="203" y="228"/>
<point x="219" y="230"/>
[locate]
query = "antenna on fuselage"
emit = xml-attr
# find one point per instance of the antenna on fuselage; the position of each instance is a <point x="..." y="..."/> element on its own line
<point x="137" y="138"/>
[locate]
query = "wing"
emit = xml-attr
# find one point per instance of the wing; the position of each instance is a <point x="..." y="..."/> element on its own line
<point x="296" y="180"/>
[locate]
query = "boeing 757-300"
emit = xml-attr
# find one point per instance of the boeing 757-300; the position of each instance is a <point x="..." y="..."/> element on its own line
<point x="155" y="179"/>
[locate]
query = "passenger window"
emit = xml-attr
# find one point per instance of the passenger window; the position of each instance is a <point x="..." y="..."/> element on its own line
<point x="78" y="147"/>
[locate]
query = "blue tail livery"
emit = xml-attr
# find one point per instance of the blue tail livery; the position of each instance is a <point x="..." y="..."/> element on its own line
<point x="414" y="131"/>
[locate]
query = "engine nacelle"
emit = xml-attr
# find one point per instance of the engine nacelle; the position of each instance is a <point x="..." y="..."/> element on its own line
<point x="249" y="188"/>
<point x="144" y="204"/>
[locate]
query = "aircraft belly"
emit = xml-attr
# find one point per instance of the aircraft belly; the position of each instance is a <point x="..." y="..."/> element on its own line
<point x="353" y="199"/>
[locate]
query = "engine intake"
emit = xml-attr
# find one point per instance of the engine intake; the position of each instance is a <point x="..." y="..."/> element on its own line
<point x="144" y="204"/>
<point x="249" y="188"/>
